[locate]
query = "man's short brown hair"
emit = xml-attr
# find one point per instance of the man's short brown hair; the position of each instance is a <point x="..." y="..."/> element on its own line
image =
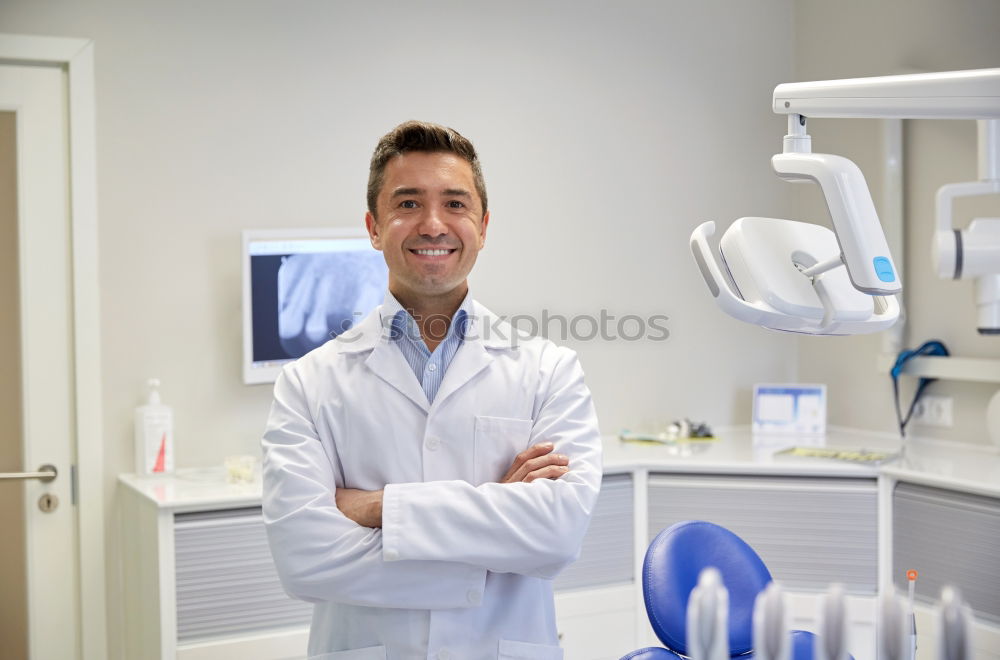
<point x="421" y="136"/>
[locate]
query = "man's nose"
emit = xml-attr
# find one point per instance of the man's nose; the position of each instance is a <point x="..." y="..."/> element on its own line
<point x="432" y="224"/>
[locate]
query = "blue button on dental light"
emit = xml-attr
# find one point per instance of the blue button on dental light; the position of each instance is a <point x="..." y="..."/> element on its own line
<point x="883" y="268"/>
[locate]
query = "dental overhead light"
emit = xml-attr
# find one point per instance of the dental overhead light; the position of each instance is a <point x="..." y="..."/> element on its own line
<point x="802" y="277"/>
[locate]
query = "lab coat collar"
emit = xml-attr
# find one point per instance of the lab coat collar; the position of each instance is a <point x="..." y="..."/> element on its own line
<point x="483" y="327"/>
<point x="484" y="334"/>
<point x="399" y="320"/>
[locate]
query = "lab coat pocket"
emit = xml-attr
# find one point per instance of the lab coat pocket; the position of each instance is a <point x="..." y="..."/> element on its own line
<point x="497" y="441"/>
<point x="369" y="653"/>
<point x="510" y="650"/>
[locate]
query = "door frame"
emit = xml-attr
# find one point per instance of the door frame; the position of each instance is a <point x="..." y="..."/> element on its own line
<point x="76" y="56"/>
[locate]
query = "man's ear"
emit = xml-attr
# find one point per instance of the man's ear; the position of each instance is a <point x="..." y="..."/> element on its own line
<point x="372" y="228"/>
<point x="482" y="230"/>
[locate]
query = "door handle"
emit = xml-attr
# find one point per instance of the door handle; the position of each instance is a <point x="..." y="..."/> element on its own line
<point x="45" y="472"/>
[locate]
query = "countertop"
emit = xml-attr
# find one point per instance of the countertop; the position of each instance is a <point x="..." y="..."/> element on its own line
<point x="954" y="466"/>
<point x="736" y="451"/>
<point x="967" y="468"/>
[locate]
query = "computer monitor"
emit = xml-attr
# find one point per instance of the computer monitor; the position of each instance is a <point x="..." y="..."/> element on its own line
<point x="301" y="288"/>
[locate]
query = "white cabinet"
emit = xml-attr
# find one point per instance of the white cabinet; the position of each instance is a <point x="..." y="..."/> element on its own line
<point x="809" y="531"/>
<point x="596" y="624"/>
<point x="595" y="597"/>
<point x="951" y="536"/>
<point x="200" y="583"/>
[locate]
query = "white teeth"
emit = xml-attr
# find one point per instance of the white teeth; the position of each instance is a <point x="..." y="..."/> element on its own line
<point x="433" y="253"/>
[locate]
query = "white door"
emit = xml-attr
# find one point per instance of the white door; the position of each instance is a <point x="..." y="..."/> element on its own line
<point x="38" y="564"/>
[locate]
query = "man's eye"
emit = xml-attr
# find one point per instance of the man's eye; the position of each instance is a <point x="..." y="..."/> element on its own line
<point x="455" y="204"/>
<point x="408" y="204"/>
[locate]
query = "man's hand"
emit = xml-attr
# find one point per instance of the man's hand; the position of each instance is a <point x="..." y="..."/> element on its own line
<point x="537" y="462"/>
<point x="362" y="506"/>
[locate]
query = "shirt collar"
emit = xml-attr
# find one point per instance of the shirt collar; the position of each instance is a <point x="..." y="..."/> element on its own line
<point x="397" y="320"/>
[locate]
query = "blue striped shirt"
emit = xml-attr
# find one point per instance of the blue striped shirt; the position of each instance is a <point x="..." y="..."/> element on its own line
<point x="429" y="367"/>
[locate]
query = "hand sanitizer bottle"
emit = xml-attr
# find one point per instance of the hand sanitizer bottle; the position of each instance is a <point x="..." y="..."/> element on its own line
<point x="154" y="435"/>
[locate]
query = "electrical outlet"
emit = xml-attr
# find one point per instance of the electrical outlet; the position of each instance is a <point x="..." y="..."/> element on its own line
<point x="933" y="410"/>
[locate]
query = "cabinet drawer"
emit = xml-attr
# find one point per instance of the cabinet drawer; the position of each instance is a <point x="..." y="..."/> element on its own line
<point x="226" y="581"/>
<point x="809" y="531"/>
<point x="607" y="555"/>
<point x="597" y="624"/>
<point x="950" y="538"/>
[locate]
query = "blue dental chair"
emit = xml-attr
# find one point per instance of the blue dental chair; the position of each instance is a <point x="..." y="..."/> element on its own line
<point x="670" y="571"/>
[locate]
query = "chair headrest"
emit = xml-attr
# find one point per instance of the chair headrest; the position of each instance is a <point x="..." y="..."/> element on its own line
<point x="670" y="571"/>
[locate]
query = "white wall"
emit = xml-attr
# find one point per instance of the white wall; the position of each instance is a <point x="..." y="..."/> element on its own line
<point x="861" y="38"/>
<point x="607" y="131"/>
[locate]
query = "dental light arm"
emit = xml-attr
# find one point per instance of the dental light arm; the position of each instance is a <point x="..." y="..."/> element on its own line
<point x="974" y="252"/>
<point x="946" y="95"/>
<point x="784" y="276"/>
<point x="863" y="247"/>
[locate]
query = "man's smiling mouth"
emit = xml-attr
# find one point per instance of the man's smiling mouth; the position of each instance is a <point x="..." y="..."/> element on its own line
<point x="433" y="252"/>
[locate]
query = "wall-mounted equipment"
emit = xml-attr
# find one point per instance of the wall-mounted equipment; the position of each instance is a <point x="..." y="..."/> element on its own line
<point x="787" y="275"/>
<point x="301" y="288"/>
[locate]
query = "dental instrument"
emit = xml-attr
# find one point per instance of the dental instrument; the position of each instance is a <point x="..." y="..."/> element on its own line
<point x="771" y="629"/>
<point x="707" y="618"/>
<point x="832" y="642"/>
<point x="893" y="630"/>
<point x="911" y="580"/>
<point x="955" y="626"/>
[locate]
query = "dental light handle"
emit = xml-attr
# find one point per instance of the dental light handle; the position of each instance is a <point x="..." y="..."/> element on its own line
<point x="708" y="618"/>
<point x="862" y="242"/>
<point x="718" y="283"/>
<point x="771" y="639"/>
<point x="832" y="642"/>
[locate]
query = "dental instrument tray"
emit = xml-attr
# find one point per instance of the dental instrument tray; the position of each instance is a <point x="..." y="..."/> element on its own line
<point x="863" y="456"/>
<point x="681" y="431"/>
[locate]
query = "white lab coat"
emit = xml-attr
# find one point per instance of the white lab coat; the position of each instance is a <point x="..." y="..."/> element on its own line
<point x="462" y="566"/>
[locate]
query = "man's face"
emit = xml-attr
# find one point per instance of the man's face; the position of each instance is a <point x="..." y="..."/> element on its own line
<point x="430" y="224"/>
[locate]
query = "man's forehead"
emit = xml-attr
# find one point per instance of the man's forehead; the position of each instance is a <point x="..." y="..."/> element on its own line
<point x="428" y="172"/>
<point x="428" y="162"/>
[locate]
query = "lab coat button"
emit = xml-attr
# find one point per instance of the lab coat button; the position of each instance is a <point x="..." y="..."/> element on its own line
<point x="445" y="654"/>
<point x="475" y="597"/>
<point x="433" y="444"/>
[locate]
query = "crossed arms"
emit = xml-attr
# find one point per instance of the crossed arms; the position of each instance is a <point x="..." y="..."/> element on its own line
<point x="428" y="545"/>
<point x="536" y="462"/>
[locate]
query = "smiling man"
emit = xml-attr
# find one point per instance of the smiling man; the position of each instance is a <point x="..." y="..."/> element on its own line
<point x="428" y="473"/>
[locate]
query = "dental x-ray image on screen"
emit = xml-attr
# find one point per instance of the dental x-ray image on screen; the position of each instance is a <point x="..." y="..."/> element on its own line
<point x="302" y="293"/>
